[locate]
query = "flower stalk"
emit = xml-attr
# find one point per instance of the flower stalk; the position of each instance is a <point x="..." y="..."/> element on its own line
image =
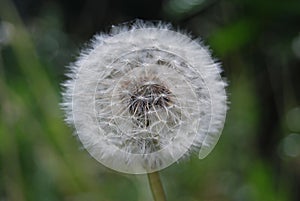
<point x="156" y="186"/>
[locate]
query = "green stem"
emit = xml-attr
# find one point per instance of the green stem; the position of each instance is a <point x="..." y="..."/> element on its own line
<point x="156" y="187"/>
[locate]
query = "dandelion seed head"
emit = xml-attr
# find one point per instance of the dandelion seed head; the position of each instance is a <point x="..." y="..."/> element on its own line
<point x="142" y="97"/>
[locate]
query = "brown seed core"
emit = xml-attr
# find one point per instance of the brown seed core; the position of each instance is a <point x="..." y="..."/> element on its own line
<point x="147" y="99"/>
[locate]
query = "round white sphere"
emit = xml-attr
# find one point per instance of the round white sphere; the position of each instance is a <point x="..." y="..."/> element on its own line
<point x="142" y="97"/>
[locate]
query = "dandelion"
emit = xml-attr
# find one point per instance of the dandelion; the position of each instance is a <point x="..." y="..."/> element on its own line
<point x="143" y="96"/>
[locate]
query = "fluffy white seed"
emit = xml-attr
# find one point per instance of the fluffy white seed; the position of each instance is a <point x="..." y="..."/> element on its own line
<point x="142" y="97"/>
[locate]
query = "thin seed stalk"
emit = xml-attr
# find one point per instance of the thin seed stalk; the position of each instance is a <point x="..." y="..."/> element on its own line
<point x="156" y="186"/>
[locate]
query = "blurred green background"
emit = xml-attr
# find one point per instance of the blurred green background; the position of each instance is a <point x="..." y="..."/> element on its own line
<point x="258" y="155"/>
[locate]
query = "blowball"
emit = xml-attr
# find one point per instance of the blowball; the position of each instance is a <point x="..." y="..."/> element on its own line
<point x="143" y="96"/>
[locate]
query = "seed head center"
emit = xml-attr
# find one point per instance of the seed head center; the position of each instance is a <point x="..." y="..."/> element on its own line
<point x="146" y="100"/>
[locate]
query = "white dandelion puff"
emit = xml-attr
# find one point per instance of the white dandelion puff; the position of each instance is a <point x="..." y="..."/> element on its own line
<point x="143" y="96"/>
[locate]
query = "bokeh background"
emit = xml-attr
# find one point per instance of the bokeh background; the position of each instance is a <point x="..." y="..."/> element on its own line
<point x="258" y="155"/>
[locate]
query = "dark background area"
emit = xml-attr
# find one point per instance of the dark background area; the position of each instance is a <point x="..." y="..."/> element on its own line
<point x="258" y="155"/>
